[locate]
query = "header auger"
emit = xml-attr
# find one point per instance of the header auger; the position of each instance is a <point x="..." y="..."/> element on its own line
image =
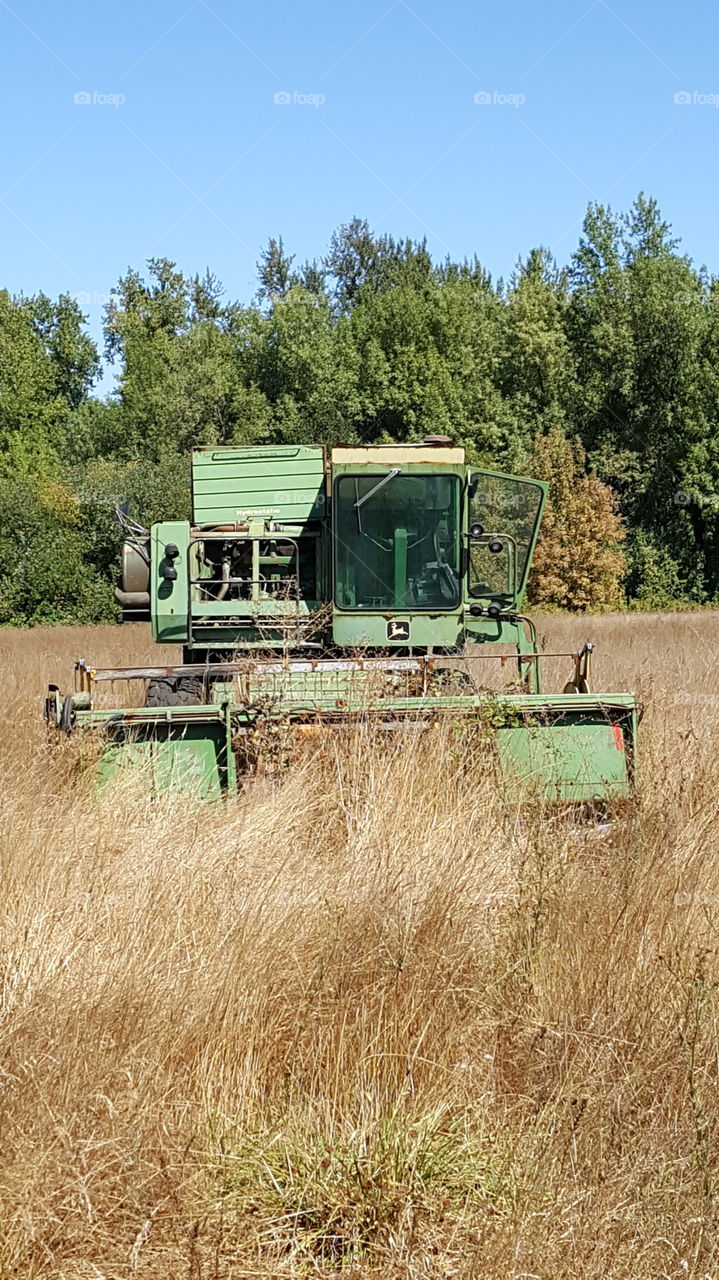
<point x="312" y="591"/>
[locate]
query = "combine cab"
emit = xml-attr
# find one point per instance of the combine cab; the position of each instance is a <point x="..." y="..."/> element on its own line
<point x="312" y="592"/>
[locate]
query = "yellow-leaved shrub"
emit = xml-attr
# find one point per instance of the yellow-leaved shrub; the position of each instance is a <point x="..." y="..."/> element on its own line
<point x="579" y="562"/>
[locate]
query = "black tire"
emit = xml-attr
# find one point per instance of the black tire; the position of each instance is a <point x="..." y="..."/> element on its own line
<point x="174" y="691"/>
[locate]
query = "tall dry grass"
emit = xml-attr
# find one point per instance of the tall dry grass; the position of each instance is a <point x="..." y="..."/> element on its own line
<point x="380" y="1023"/>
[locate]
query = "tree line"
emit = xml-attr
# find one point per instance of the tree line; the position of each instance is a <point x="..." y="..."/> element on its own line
<point x="601" y="376"/>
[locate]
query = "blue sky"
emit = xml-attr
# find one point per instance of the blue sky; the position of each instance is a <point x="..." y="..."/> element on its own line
<point x="182" y="150"/>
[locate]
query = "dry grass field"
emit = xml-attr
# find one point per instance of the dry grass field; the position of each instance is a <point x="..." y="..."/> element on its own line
<point x="377" y="1024"/>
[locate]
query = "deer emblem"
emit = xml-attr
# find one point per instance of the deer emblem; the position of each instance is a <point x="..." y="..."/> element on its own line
<point x="398" y="630"/>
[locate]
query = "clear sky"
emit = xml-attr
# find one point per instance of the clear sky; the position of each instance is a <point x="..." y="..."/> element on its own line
<point x="183" y="150"/>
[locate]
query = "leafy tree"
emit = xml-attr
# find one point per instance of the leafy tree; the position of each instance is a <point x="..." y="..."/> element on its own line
<point x="654" y="580"/>
<point x="73" y="355"/>
<point x="603" y="375"/>
<point x="362" y="264"/>
<point x="538" y="367"/>
<point x="275" y="271"/>
<point x="578" y="562"/>
<point x="645" y="402"/>
<point x="46" y="571"/>
<point x="313" y="278"/>
<point x="305" y="370"/>
<point x="350" y="260"/>
<point x="180" y="383"/>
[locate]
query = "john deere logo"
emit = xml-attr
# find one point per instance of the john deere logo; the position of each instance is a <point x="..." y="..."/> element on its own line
<point x="398" y="630"/>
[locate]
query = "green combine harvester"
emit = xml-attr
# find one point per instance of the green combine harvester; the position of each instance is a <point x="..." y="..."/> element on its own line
<point x="313" y="592"/>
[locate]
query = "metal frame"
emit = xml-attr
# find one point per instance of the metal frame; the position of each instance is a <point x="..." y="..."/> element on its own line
<point x="86" y="675"/>
<point x="543" y="489"/>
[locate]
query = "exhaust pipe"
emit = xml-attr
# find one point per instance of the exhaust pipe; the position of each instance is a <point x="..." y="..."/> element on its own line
<point x="225" y="581"/>
<point x="132" y="599"/>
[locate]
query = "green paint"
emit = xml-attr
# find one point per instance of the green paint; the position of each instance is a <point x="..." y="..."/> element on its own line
<point x="579" y="755"/>
<point x="285" y="482"/>
<point x="289" y="559"/>
<point x="400" y="567"/>
<point x="169" y="597"/>
<point x="568" y="747"/>
<point x="170" y="751"/>
<point x="369" y="630"/>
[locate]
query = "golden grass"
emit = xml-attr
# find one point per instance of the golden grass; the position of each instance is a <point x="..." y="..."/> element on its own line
<point x="377" y="1024"/>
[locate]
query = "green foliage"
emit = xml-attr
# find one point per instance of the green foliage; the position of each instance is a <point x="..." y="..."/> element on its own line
<point x="618" y="350"/>
<point x="275" y="271"/>
<point x="159" y="491"/>
<point x="47" y="366"/>
<point x="336" y="1188"/>
<point x="654" y="579"/>
<point x="46" y="574"/>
